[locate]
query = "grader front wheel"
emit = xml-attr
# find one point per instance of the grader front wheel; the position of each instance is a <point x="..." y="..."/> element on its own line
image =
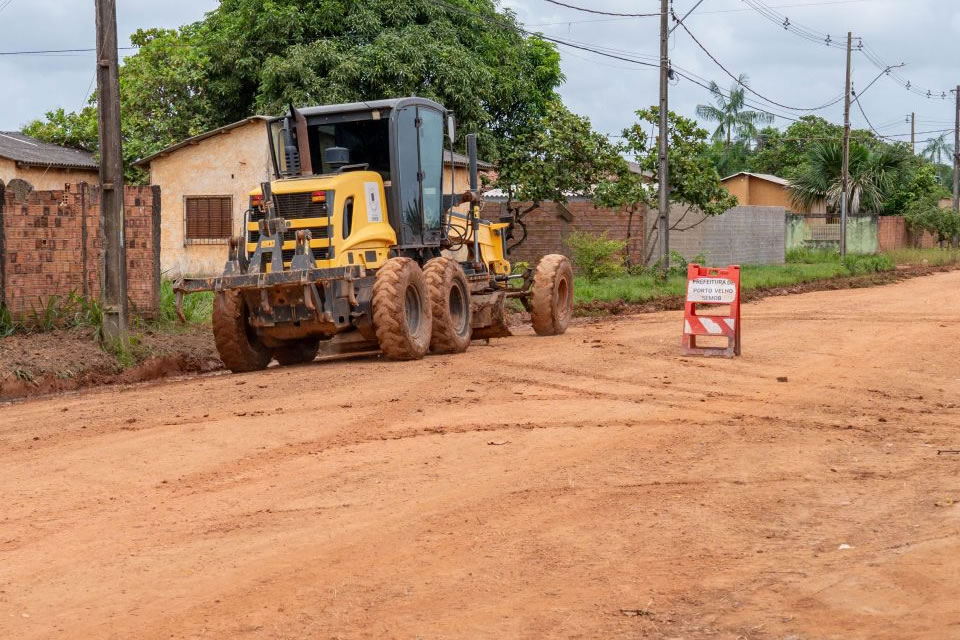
<point x="401" y="310"/>
<point x="551" y="298"/>
<point x="238" y="345"/>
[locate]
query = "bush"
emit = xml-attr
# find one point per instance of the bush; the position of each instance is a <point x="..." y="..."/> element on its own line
<point x="597" y="256"/>
<point x="860" y="265"/>
<point x="678" y="264"/>
<point x="812" y="256"/>
<point x="926" y="215"/>
<point x="197" y="307"/>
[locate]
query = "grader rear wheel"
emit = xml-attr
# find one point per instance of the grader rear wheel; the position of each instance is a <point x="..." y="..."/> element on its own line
<point x="551" y="300"/>
<point x="450" y="305"/>
<point x="238" y="345"/>
<point x="297" y="352"/>
<point x="401" y="310"/>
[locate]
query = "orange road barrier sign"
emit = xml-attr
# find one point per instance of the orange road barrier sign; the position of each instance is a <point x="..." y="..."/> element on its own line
<point x="709" y="288"/>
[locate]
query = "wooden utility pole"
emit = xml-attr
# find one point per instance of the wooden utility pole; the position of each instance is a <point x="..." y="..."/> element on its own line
<point x="913" y="133"/>
<point x="114" y="280"/>
<point x="846" y="154"/>
<point x="956" y="163"/>
<point x="663" y="142"/>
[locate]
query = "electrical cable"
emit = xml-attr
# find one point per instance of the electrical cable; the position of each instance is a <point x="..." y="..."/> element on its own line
<point x="603" y="13"/>
<point x="751" y="90"/>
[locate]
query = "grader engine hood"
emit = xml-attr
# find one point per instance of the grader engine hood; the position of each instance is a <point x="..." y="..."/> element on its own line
<point x="345" y="215"/>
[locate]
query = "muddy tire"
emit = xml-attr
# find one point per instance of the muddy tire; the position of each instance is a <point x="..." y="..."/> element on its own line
<point x="298" y="352"/>
<point x="401" y="310"/>
<point x="238" y="345"/>
<point x="551" y="299"/>
<point x="449" y="304"/>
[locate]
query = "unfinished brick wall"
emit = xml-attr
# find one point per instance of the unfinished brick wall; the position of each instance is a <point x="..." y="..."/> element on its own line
<point x="51" y="243"/>
<point x="549" y="226"/>
<point x="892" y="233"/>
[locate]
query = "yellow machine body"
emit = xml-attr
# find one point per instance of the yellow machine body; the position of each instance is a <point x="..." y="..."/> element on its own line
<point x="348" y="217"/>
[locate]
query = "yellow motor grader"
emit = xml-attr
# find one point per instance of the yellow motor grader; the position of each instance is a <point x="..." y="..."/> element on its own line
<point x="357" y="244"/>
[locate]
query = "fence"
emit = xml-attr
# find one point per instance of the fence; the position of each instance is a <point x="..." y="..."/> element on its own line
<point x="892" y="233"/>
<point x="549" y="226"/>
<point x="51" y="243"/>
<point x="822" y="231"/>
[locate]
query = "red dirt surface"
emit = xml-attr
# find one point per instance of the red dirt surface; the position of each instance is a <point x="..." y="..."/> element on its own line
<point x="593" y="485"/>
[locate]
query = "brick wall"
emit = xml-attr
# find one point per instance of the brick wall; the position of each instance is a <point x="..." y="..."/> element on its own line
<point x="51" y="243"/>
<point x="549" y="226"/>
<point x="892" y="234"/>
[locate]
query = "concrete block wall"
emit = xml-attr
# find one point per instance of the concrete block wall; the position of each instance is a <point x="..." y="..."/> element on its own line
<point x="549" y="226"/>
<point x="741" y="235"/>
<point x="51" y="243"/>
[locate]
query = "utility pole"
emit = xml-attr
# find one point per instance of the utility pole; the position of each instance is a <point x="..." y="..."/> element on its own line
<point x="846" y="153"/>
<point x="956" y="164"/>
<point x="913" y="133"/>
<point x="664" y="173"/>
<point x="114" y="280"/>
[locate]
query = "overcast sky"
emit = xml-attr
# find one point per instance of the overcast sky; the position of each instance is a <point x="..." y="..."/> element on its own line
<point x="781" y="65"/>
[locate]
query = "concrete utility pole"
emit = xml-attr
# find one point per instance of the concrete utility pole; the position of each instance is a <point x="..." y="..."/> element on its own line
<point x="114" y="280"/>
<point x="956" y="163"/>
<point x="846" y="153"/>
<point x="664" y="177"/>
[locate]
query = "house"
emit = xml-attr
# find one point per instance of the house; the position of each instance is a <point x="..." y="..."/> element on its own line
<point x="43" y="166"/>
<point x="762" y="189"/>
<point x="205" y="183"/>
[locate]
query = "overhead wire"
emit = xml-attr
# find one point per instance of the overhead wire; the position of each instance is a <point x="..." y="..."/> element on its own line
<point x="602" y="13"/>
<point x="747" y="87"/>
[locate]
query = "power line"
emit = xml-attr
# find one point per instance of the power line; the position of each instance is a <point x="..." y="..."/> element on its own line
<point x="603" y="13"/>
<point x="745" y="86"/>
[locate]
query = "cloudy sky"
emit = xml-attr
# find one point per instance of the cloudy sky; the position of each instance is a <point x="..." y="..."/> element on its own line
<point x="781" y="66"/>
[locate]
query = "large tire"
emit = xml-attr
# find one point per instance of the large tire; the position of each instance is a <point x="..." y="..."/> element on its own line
<point x="298" y="352"/>
<point x="449" y="304"/>
<point x="238" y="345"/>
<point x="401" y="310"/>
<point x="551" y="301"/>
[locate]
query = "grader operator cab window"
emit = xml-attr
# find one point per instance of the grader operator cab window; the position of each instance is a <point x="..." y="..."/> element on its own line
<point x="402" y="140"/>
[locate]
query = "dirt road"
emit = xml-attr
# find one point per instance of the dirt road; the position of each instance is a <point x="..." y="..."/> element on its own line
<point x="596" y="485"/>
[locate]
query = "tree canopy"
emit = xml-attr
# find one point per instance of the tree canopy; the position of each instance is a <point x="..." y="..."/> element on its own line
<point x="250" y="56"/>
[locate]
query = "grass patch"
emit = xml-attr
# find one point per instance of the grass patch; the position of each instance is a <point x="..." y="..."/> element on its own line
<point x="925" y="257"/>
<point x="197" y="308"/>
<point x="812" y="256"/>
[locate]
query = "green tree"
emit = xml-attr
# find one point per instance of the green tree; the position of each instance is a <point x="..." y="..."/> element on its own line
<point x="730" y="114"/>
<point x="252" y="56"/>
<point x="558" y="158"/>
<point x="873" y="175"/>
<point x="694" y="181"/>
<point x="937" y="149"/>
<point x="626" y="188"/>
<point x="783" y="153"/>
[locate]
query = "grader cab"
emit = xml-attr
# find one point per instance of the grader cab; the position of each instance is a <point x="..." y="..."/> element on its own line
<point x="356" y="244"/>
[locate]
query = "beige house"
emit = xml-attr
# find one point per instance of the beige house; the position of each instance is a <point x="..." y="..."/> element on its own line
<point x="205" y="183"/>
<point x="43" y="166"/>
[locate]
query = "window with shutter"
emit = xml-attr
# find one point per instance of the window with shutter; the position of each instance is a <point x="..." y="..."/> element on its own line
<point x="209" y="219"/>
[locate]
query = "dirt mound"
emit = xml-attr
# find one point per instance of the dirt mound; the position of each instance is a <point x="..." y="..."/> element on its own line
<point x="64" y="360"/>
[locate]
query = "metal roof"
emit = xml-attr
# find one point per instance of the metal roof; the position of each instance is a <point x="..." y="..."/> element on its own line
<point x="30" y="151"/>
<point x="143" y="162"/>
<point x="383" y="105"/>
<point x="769" y="177"/>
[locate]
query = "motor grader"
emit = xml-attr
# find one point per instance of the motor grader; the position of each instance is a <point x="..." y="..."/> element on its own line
<point x="360" y="243"/>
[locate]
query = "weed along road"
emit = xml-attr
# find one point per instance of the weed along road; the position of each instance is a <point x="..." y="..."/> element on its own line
<point x="592" y="485"/>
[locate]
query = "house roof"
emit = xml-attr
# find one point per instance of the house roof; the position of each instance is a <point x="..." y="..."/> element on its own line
<point x="769" y="177"/>
<point x="30" y="151"/>
<point x="458" y="159"/>
<point x="143" y="162"/>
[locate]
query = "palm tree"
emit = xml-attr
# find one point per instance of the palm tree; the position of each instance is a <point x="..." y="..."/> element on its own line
<point x="872" y="174"/>
<point x="730" y="113"/>
<point x="937" y="148"/>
